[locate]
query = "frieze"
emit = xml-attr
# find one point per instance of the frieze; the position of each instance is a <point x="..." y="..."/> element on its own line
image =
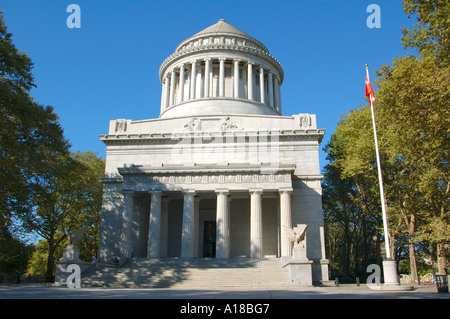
<point x="226" y="178"/>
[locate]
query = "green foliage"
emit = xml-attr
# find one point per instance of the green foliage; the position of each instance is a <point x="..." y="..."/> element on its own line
<point x="37" y="264"/>
<point x="431" y="33"/>
<point x="44" y="188"/>
<point x="14" y="254"/>
<point x="69" y="198"/>
<point x="30" y="135"/>
<point x="412" y="117"/>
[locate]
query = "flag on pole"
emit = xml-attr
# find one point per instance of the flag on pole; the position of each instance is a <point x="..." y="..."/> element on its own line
<point x="369" y="91"/>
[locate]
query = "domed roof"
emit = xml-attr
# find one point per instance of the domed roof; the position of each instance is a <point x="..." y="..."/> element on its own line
<point x="222" y="27"/>
<point x="225" y="29"/>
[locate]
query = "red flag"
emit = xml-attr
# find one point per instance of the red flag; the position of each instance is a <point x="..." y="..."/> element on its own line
<point x="369" y="92"/>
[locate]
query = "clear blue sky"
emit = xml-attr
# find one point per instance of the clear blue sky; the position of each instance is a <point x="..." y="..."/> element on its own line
<point x="108" y="69"/>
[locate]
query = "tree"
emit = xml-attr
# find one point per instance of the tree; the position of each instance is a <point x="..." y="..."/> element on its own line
<point x="69" y="197"/>
<point x="431" y="37"/>
<point x="30" y="135"/>
<point x="350" y="193"/>
<point x="413" y="105"/>
<point x="412" y="117"/>
<point x="431" y="34"/>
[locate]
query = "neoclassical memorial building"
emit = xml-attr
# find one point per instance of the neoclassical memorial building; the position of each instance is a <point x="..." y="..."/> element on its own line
<point x="221" y="170"/>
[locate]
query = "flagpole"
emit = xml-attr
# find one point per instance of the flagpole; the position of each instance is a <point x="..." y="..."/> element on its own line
<point x="380" y="177"/>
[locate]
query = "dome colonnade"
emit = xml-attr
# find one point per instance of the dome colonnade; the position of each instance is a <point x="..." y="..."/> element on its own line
<point x="220" y="63"/>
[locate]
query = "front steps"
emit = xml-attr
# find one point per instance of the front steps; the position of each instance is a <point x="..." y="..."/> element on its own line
<point x="208" y="273"/>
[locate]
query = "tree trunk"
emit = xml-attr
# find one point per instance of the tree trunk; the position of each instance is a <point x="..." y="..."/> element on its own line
<point x="412" y="260"/>
<point x="442" y="260"/>
<point x="412" y="250"/>
<point x="50" y="261"/>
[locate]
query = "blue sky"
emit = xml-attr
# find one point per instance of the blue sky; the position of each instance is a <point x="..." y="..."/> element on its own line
<point x="108" y="69"/>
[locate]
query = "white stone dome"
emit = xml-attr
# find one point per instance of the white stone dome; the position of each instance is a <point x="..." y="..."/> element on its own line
<point x="218" y="71"/>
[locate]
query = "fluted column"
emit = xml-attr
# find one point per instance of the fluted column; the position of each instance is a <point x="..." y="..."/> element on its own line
<point x="277" y="95"/>
<point x="261" y="85"/>
<point x="207" y="70"/>
<point x="154" y="228"/>
<point x="222" y="77"/>
<point x="222" y="225"/>
<point x="188" y="227"/>
<point x="166" y="91"/>
<point x="127" y="220"/>
<point x="285" y="220"/>
<point x="163" y="95"/>
<point x="236" y="79"/>
<point x="256" y="226"/>
<point x="250" y="80"/>
<point x="269" y="76"/>
<point x="172" y="87"/>
<point x="193" y="78"/>
<point x="181" y="85"/>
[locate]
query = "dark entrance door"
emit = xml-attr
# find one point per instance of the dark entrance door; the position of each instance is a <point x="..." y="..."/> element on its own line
<point x="209" y="239"/>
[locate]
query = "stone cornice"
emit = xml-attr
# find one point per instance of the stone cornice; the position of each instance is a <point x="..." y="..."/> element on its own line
<point x="131" y="138"/>
<point x="202" y="169"/>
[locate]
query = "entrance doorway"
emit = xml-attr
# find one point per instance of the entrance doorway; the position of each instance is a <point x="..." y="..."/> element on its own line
<point x="209" y="238"/>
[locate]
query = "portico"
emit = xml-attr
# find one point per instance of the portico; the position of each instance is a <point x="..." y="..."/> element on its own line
<point x="248" y="210"/>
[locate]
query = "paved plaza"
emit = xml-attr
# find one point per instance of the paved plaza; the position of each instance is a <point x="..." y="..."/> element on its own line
<point x="341" y="292"/>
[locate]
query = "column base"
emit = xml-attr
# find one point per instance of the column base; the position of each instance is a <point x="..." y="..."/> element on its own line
<point x="390" y="272"/>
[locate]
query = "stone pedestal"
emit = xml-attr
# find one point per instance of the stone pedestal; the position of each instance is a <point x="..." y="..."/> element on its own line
<point x="71" y="255"/>
<point x="300" y="267"/>
<point x="390" y="272"/>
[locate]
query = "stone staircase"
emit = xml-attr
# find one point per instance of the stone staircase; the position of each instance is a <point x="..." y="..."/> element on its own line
<point x="207" y="273"/>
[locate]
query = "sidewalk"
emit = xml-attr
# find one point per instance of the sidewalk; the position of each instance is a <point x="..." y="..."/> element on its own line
<point x="344" y="291"/>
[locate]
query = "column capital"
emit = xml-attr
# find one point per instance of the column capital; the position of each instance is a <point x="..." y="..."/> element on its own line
<point x="155" y="192"/>
<point x="285" y="190"/>
<point x="222" y="59"/>
<point x="250" y="62"/>
<point x="189" y="192"/>
<point x="237" y="60"/>
<point x="258" y="191"/>
<point x="193" y="62"/>
<point x="207" y="59"/>
<point x="224" y="191"/>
